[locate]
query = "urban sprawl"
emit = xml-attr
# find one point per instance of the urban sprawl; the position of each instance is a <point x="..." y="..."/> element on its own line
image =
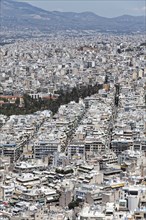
<point x="73" y="128"/>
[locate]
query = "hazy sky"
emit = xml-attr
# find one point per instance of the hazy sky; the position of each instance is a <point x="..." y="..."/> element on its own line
<point x="107" y="8"/>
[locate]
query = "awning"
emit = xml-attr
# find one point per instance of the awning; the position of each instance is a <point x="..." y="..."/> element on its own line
<point x="117" y="185"/>
<point x="18" y="192"/>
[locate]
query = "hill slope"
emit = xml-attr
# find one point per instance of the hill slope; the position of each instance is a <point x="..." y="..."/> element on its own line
<point x="20" y="16"/>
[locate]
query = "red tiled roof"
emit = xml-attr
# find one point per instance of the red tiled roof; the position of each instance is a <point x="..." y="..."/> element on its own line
<point x="9" y="96"/>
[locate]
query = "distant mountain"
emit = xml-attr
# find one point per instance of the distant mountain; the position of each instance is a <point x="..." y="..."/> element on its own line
<point x="23" y="16"/>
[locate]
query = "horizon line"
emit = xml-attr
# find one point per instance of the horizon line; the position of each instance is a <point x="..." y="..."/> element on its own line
<point x="61" y="11"/>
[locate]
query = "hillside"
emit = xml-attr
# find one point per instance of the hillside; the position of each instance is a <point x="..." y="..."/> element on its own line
<point x="20" y="16"/>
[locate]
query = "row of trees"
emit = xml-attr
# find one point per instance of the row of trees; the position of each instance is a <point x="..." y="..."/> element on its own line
<point x="32" y="105"/>
<point x="117" y="94"/>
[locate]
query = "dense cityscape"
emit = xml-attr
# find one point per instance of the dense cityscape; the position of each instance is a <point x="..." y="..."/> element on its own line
<point x="73" y="126"/>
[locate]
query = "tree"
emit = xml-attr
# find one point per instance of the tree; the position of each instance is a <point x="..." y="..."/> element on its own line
<point x="17" y="101"/>
<point x="73" y="204"/>
<point x="106" y="79"/>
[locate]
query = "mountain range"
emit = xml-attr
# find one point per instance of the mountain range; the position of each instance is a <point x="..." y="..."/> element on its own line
<point x="23" y="16"/>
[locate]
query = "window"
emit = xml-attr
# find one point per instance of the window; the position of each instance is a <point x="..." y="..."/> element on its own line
<point x="133" y="193"/>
